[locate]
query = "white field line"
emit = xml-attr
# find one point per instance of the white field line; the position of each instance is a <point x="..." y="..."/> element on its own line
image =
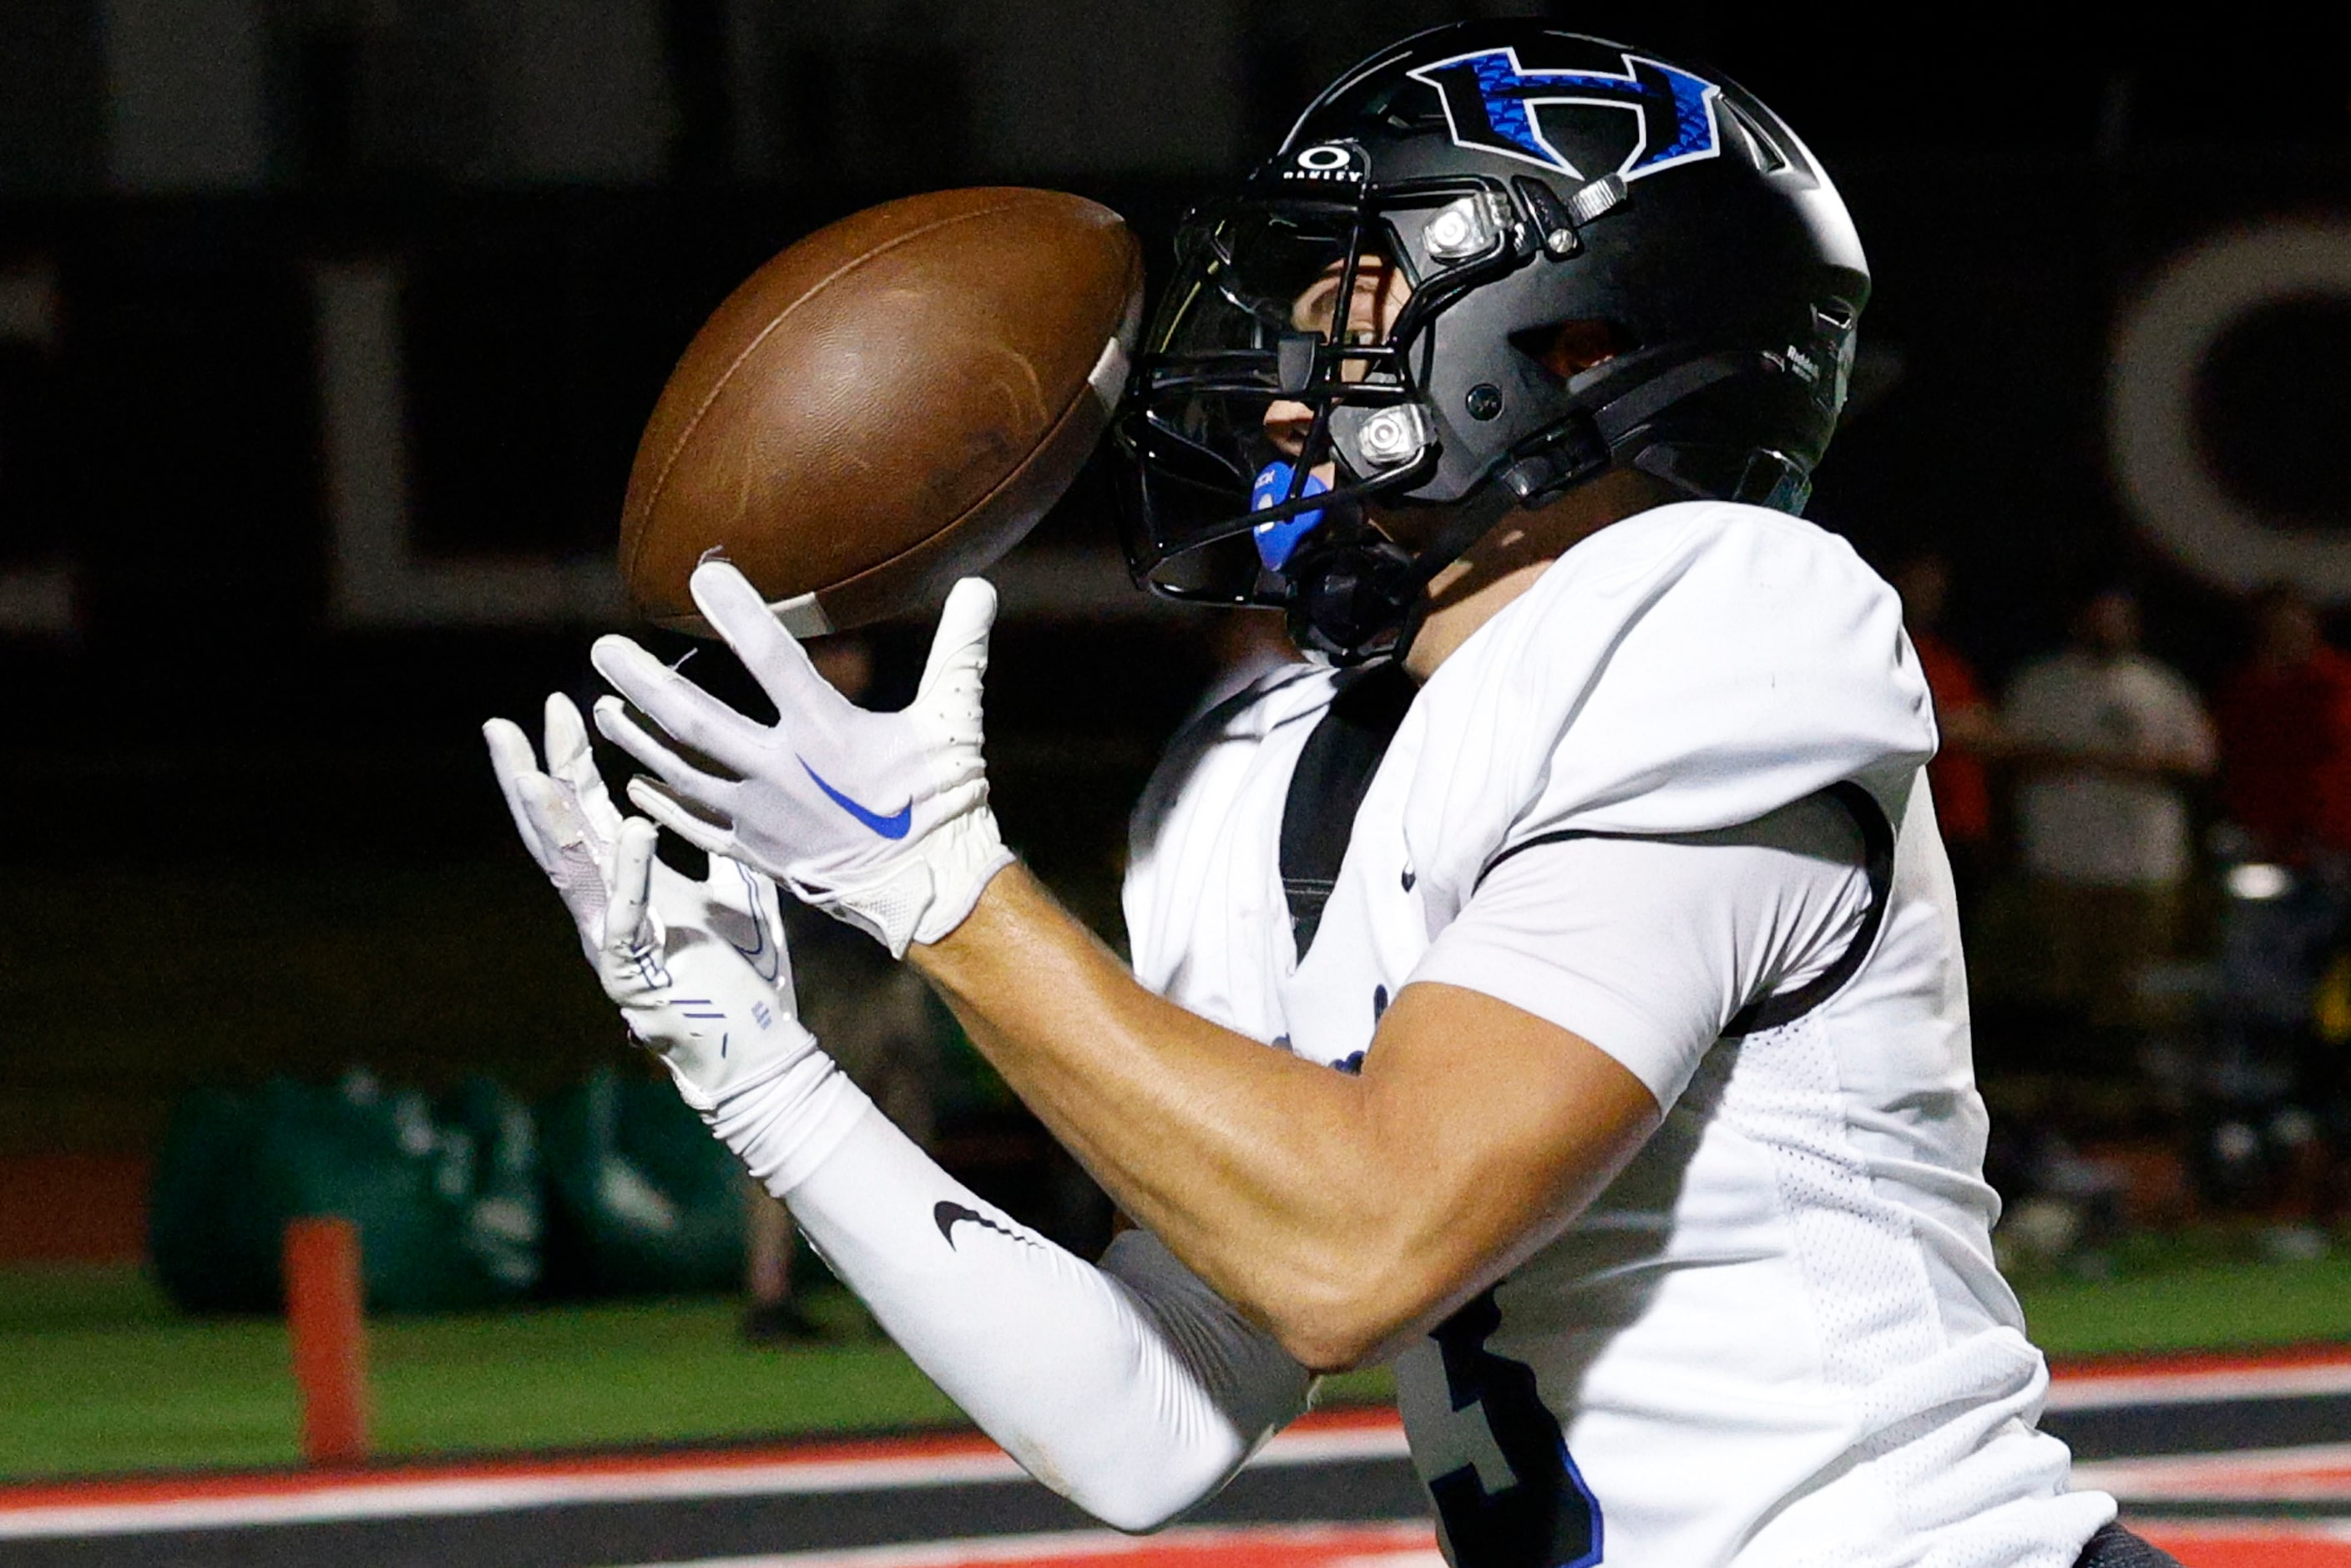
<point x="2094" y="1392"/>
<point x="2174" y="1530"/>
<point x="1400" y="1545"/>
<point x="1383" y="1442"/>
<point x="327" y="1500"/>
<point x="2316" y="1471"/>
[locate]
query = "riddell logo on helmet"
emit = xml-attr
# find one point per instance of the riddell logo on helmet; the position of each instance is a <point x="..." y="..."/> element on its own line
<point x="1492" y="100"/>
<point x="1327" y="162"/>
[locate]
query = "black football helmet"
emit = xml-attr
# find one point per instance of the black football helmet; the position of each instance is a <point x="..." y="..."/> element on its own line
<point x="1531" y="186"/>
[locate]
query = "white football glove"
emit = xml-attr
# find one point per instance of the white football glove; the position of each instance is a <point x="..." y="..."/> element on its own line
<point x="698" y="969"/>
<point x="878" y="819"/>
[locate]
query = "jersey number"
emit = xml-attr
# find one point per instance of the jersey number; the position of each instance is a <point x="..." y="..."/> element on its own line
<point x="1546" y="1517"/>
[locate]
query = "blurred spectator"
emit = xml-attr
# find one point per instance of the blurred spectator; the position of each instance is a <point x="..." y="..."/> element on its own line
<point x="2105" y="736"/>
<point x="1970" y="727"/>
<point x="869" y="1013"/>
<point x="2276" y="1077"/>
<point x="2285" y="736"/>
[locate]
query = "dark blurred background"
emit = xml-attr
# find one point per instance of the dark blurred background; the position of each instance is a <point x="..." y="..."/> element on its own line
<point x="327" y="328"/>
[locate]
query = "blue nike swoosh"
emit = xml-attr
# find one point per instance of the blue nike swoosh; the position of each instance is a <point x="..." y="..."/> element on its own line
<point x="892" y="826"/>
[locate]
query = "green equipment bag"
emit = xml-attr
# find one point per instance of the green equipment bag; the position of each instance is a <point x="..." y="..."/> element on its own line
<point x="446" y="1200"/>
<point x="642" y="1200"/>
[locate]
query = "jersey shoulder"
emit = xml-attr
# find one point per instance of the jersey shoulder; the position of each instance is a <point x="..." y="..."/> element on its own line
<point x="1204" y="835"/>
<point x="1687" y="669"/>
<point x="1696" y="593"/>
<point x="1223" y="738"/>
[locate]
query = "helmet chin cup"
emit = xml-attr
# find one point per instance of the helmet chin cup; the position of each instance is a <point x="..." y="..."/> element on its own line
<point x="1355" y="601"/>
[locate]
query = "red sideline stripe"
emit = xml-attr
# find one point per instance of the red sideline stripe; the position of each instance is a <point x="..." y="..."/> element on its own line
<point x="298" y="1483"/>
<point x="2236" y="1543"/>
<point x="2285" y="1357"/>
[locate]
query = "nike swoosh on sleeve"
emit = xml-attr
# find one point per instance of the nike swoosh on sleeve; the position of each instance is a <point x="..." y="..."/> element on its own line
<point x="947" y="1216"/>
<point x="893" y="826"/>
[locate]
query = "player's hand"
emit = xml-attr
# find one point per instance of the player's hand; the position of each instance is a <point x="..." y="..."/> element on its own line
<point x="878" y="819"/>
<point x="698" y="969"/>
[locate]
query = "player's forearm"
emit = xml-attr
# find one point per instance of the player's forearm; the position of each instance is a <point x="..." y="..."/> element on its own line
<point x="1129" y="1389"/>
<point x="1289" y="1187"/>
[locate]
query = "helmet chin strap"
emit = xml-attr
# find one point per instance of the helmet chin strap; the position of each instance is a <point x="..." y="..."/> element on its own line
<point x="1357" y="598"/>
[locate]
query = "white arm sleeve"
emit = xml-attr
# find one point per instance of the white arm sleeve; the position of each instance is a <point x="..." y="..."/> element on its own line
<point x="1132" y="1389"/>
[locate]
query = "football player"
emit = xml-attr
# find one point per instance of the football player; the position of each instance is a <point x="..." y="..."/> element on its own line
<point x="1558" y="992"/>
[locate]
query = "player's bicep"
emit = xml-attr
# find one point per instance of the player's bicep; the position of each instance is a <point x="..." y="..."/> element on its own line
<point x="1548" y="1028"/>
<point x="1503" y="1125"/>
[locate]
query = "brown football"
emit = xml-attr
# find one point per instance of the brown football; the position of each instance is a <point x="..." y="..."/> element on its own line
<point x="886" y="406"/>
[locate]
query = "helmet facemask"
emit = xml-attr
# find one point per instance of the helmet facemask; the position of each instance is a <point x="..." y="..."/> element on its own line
<point x="1263" y="314"/>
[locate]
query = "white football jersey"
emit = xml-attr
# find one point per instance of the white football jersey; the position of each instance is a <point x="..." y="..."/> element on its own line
<point x="1778" y="1337"/>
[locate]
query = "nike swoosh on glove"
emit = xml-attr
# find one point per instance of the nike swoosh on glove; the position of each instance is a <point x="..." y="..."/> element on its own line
<point x="878" y="819"/>
<point x="698" y="969"/>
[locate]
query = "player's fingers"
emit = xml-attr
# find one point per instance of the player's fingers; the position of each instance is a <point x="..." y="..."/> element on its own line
<point x="767" y="910"/>
<point x="511" y="761"/>
<point x="743" y="909"/>
<point x="691" y="715"/>
<point x="759" y="895"/>
<point x="709" y="837"/>
<point x="570" y="761"/>
<point x="676" y="771"/>
<point x="631" y="885"/>
<point x="559" y="826"/>
<point x="773" y="655"/>
<point x="567" y="737"/>
<point x="961" y="640"/>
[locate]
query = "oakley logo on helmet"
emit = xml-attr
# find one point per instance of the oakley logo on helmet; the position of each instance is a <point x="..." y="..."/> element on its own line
<point x="1491" y="101"/>
<point x="1327" y="161"/>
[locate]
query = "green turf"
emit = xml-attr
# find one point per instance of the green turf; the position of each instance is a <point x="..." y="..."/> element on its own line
<point x="132" y="1388"/>
<point x="96" y="1373"/>
<point x="2194" y="1306"/>
<point x="651" y="1371"/>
